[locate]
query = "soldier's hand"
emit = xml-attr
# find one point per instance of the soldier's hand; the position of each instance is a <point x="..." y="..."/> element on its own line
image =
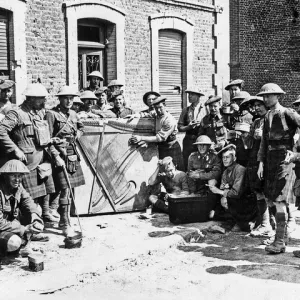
<point x="59" y="162"/>
<point x="20" y="155"/>
<point x="193" y="174"/>
<point x="290" y="157"/>
<point x="131" y="117"/>
<point x="234" y="107"/>
<point x="260" y="172"/>
<point x="135" y="139"/>
<point x="258" y="133"/>
<point x="31" y="229"/>
<point x="224" y="202"/>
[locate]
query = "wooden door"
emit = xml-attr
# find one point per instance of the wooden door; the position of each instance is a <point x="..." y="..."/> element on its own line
<point x="171" y="70"/>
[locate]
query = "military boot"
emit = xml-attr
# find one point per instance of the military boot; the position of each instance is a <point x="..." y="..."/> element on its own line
<point x="265" y="228"/>
<point x="278" y="246"/>
<point x="46" y="214"/>
<point x="64" y="222"/>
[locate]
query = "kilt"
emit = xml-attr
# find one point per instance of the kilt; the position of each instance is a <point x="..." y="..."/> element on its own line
<point x="277" y="180"/>
<point x="188" y="148"/>
<point x="76" y="178"/>
<point x="37" y="187"/>
<point x="4" y="237"/>
<point x="172" y="149"/>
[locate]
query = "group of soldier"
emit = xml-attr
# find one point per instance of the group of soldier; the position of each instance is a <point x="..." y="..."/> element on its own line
<point x="239" y="155"/>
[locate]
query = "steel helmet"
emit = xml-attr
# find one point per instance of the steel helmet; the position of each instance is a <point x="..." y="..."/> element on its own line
<point x="96" y="74"/>
<point x="297" y="102"/>
<point x="88" y="95"/>
<point x="115" y="82"/>
<point x="36" y="90"/>
<point x="241" y="96"/>
<point x="270" y="88"/>
<point x="68" y="91"/>
<point x="14" y="166"/>
<point x="204" y="140"/>
<point x="252" y="99"/>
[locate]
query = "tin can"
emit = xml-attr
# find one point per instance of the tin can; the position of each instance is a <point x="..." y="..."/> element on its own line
<point x="36" y="262"/>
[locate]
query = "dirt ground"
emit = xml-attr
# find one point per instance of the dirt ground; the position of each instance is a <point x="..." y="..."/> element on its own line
<point x="134" y="257"/>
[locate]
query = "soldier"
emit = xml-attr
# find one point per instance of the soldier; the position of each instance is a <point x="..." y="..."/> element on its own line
<point x="19" y="215"/>
<point x="94" y="78"/>
<point x="252" y="142"/>
<point x="65" y="125"/>
<point x="234" y="87"/>
<point x="166" y="127"/>
<point x="89" y="100"/>
<point x="77" y="105"/>
<point x="114" y="88"/>
<point x="280" y="125"/>
<point x="204" y="167"/>
<point x="174" y="182"/>
<point x="189" y="122"/>
<point x="213" y="124"/>
<point x="6" y="92"/>
<point x="24" y="134"/>
<point x="120" y="110"/>
<point x="242" y="208"/>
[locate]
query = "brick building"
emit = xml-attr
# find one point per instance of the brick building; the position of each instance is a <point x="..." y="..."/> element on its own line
<point x="264" y="44"/>
<point x="164" y="45"/>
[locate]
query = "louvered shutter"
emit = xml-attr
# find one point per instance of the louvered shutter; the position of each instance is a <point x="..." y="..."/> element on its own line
<point x="170" y="69"/>
<point x="3" y="44"/>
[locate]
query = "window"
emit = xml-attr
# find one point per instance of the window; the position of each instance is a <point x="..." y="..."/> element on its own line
<point x="4" y="45"/>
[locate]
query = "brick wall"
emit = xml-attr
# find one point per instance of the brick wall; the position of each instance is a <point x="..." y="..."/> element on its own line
<point x="46" y="44"/>
<point x="268" y="44"/>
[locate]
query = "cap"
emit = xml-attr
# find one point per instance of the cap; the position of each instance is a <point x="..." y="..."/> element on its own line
<point x="14" y="166"/>
<point x="239" y="82"/>
<point x="101" y="90"/>
<point x="203" y="140"/>
<point x="115" y="82"/>
<point x="297" y="102"/>
<point x="194" y="90"/>
<point x="68" y="91"/>
<point x="241" y="96"/>
<point x="242" y="126"/>
<point x="270" y="88"/>
<point x="229" y="147"/>
<point x="159" y="100"/>
<point x="213" y="99"/>
<point x="96" y="74"/>
<point x="6" y="84"/>
<point x="145" y="97"/>
<point x="88" y="95"/>
<point x="36" y="90"/>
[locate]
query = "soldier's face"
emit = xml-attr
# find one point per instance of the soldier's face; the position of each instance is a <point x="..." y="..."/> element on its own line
<point x="259" y="108"/>
<point x="150" y="99"/>
<point x="94" y="81"/>
<point x="66" y="102"/>
<point x="38" y="103"/>
<point x="234" y="90"/>
<point x="214" y="108"/>
<point x="119" y="102"/>
<point x="170" y="171"/>
<point x="271" y="100"/>
<point x="297" y="108"/>
<point x="160" y="109"/>
<point x="193" y="98"/>
<point x="102" y="98"/>
<point x="14" y="180"/>
<point x="202" y="149"/>
<point x="88" y="103"/>
<point x="6" y="94"/>
<point x="227" y="158"/>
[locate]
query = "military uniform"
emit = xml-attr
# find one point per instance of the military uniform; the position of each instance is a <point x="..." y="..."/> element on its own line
<point x="66" y="126"/>
<point x="241" y="117"/>
<point x="17" y="130"/>
<point x="241" y="207"/>
<point x="188" y="115"/>
<point x="122" y="113"/>
<point x="209" y="167"/>
<point x="166" y="131"/>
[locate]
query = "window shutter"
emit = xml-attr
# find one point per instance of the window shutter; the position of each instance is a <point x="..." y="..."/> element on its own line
<point x="3" y="44"/>
<point x="170" y="69"/>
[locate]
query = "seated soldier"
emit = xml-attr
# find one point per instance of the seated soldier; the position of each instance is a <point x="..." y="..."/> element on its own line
<point x="241" y="207"/>
<point x="19" y="216"/>
<point x="174" y="182"/>
<point x="120" y="109"/>
<point x="204" y="167"/>
<point x="89" y="100"/>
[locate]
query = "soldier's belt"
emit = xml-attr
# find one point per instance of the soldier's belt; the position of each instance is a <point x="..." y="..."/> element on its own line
<point x="277" y="147"/>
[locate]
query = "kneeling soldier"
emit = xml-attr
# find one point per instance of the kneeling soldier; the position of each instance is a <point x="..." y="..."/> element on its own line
<point x="174" y="182"/>
<point x="18" y="213"/>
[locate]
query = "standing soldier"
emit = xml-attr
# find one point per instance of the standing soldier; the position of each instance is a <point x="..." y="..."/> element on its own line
<point x="65" y="125"/>
<point x="189" y="122"/>
<point x="213" y="124"/>
<point x="166" y="126"/>
<point x="280" y="125"/>
<point x="94" y="78"/>
<point x="24" y="134"/>
<point x="252" y="142"/>
<point x="6" y="92"/>
<point x="234" y="87"/>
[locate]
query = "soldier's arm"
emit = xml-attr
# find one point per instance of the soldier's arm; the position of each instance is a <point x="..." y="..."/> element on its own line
<point x="10" y="121"/>
<point x="238" y="186"/>
<point x="262" y="148"/>
<point x="184" y="184"/>
<point x="50" y="117"/>
<point x="215" y="172"/>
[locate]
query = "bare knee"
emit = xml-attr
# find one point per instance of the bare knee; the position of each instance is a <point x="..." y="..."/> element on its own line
<point x="14" y="243"/>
